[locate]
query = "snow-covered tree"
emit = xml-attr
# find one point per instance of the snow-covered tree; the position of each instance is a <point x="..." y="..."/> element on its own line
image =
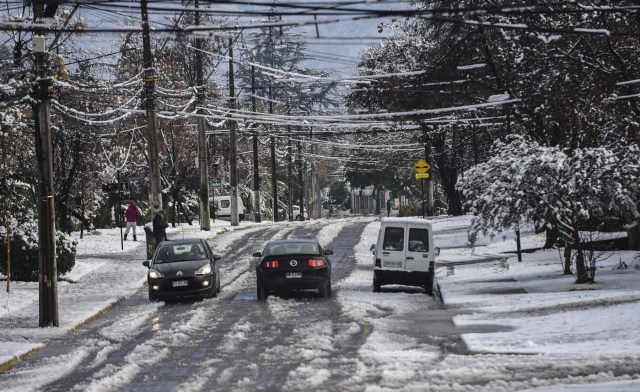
<point x="560" y="64"/>
<point x="551" y="188"/>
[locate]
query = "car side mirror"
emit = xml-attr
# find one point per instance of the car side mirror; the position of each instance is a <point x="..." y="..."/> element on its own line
<point x="216" y="257"/>
<point x="373" y="248"/>
<point x="146" y="263"/>
<point x="257" y="254"/>
<point x="328" y="252"/>
<point x="436" y="251"/>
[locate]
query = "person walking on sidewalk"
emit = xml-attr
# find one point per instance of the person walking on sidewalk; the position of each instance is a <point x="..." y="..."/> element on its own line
<point x="159" y="226"/>
<point x="132" y="214"/>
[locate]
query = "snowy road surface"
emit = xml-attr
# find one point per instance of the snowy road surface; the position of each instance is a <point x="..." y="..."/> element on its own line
<point x="357" y="340"/>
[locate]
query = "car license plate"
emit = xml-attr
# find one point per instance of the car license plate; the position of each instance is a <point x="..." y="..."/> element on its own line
<point x="294" y="274"/>
<point x="180" y="283"/>
<point x="394" y="264"/>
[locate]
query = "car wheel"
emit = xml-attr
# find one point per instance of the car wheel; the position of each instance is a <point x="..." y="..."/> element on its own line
<point x="153" y="297"/>
<point x="261" y="292"/>
<point x="376" y="285"/>
<point x="428" y="287"/>
<point x="298" y="217"/>
<point x="325" y="290"/>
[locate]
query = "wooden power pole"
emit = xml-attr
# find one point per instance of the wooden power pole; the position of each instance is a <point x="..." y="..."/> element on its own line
<point x="203" y="164"/>
<point x="256" y="172"/>
<point x="233" y="153"/>
<point x="150" y="106"/>
<point x="48" y="275"/>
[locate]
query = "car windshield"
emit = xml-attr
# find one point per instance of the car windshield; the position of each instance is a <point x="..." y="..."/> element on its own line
<point x="293" y="248"/>
<point x="170" y="253"/>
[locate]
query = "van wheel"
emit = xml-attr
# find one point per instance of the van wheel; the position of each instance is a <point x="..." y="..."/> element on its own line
<point x="428" y="287"/>
<point x="376" y="285"/>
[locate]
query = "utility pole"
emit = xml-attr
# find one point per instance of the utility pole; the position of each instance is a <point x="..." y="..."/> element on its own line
<point x="256" y="172"/>
<point x="427" y="150"/>
<point x="203" y="164"/>
<point x="48" y="276"/>
<point x="300" y="182"/>
<point x="274" y="181"/>
<point x="289" y="168"/>
<point x="8" y="240"/>
<point x="312" y="187"/>
<point x="150" y="106"/>
<point x="233" y="159"/>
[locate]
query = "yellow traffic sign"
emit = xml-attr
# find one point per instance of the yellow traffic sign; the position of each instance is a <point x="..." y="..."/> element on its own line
<point x="422" y="175"/>
<point x="421" y="167"/>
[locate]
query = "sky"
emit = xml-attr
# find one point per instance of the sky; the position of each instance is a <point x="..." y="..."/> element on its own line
<point x="547" y="322"/>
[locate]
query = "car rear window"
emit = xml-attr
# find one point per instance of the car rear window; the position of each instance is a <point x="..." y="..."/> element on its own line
<point x="393" y="238"/>
<point x="293" y="249"/>
<point x="418" y="240"/>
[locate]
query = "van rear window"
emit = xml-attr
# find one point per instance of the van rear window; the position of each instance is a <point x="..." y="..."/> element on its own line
<point x="393" y="238"/>
<point x="418" y="240"/>
<point x="224" y="203"/>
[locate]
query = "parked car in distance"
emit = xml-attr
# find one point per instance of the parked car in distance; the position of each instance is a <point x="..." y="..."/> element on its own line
<point x="404" y="254"/>
<point x="183" y="268"/>
<point x="293" y="264"/>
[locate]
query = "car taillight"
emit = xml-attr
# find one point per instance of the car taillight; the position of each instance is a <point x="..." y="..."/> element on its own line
<point x="271" y="264"/>
<point x="378" y="263"/>
<point x="315" y="263"/>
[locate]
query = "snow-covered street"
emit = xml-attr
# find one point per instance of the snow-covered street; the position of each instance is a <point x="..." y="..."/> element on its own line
<point x="504" y="325"/>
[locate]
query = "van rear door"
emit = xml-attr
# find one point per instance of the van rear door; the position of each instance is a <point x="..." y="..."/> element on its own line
<point x="419" y="243"/>
<point x="391" y="251"/>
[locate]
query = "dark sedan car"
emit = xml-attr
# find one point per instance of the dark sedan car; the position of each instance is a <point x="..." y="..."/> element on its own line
<point x="186" y="267"/>
<point x="293" y="264"/>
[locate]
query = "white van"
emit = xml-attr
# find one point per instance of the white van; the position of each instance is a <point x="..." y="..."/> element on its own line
<point x="404" y="254"/>
<point x="222" y="204"/>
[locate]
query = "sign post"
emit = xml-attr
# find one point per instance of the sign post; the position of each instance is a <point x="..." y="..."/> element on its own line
<point x="421" y="168"/>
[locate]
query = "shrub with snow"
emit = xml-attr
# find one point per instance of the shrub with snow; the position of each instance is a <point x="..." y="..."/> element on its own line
<point x="24" y="251"/>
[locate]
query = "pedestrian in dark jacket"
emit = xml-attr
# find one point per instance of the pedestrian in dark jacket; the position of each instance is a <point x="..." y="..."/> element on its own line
<point x="132" y="214"/>
<point x="159" y="226"/>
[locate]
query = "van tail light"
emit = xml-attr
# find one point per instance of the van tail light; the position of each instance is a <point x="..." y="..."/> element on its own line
<point x="270" y="264"/>
<point x="316" y="263"/>
<point x="378" y="263"/>
<point x="432" y="266"/>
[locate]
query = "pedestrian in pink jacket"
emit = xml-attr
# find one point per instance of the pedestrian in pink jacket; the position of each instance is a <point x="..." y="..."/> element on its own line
<point x="132" y="214"/>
